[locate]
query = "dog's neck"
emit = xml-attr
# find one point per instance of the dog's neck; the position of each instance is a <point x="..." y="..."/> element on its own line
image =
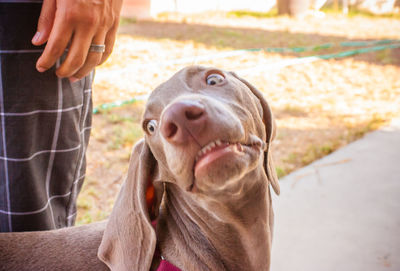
<point x="230" y="233"/>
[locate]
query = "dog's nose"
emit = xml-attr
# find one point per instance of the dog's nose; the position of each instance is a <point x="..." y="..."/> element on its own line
<point x="182" y="120"/>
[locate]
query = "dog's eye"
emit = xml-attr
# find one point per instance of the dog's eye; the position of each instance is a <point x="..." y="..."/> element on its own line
<point x="151" y="126"/>
<point x="214" y="79"/>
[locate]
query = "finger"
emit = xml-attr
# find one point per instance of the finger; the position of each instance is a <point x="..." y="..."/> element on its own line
<point x="109" y="41"/>
<point x="45" y="22"/>
<point x="77" y="54"/>
<point x="92" y="60"/>
<point x="56" y="45"/>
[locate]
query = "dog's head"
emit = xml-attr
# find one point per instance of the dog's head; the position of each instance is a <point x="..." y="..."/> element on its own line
<point x="208" y="132"/>
<point x="207" y="129"/>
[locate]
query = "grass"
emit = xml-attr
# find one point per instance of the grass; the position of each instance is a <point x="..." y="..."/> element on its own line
<point x="354" y="12"/>
<point x="315" y="152"/>
<point x="280" y="172"/>
<point x="124" y="130"/>
<point x="87" y="203"/>
<point x="125" y="135"/>
<point x="386" y="57"/>
<point x="127" y="20"/>
<point x="358" y="131"/>
<point x="255" y="14"/>
<point x="294" y="110"/>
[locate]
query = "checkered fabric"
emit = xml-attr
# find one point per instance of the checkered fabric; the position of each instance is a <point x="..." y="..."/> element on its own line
<point x="44" y="129"/>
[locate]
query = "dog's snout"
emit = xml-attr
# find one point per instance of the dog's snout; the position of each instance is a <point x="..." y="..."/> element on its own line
<point x="182" y="120"/>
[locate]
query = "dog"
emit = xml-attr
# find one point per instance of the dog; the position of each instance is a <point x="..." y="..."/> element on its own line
<point x="197" y="194"/>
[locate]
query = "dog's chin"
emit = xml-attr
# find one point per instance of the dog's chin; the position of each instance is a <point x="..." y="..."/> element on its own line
<point x="220" y="171"/>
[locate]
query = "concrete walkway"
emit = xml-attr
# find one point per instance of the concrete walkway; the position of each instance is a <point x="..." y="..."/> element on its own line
<point x="342" y="212"/>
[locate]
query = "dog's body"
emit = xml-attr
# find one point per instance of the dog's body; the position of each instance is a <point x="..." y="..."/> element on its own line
<point x="73" y="248"/>
<point x="206" y="152"/>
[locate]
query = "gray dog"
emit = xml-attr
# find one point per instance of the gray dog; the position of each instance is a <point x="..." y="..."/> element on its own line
<point x="202" y="174"/>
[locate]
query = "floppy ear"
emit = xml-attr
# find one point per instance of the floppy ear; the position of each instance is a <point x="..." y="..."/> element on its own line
<point x="129" y="239"/>
<point x="269" y="123"/>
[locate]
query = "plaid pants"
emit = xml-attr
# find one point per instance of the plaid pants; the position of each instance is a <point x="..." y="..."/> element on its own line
<point x="44" y="129"/>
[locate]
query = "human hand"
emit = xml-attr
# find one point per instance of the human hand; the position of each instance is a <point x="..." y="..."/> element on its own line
<point x="76" y="24"/>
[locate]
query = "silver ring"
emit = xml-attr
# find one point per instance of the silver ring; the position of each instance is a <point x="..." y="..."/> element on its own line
<point x="98" y="48"/>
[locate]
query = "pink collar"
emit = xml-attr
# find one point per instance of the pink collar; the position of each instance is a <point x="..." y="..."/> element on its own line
<point x="164" y="264"/>
<point x="167" y="266"/>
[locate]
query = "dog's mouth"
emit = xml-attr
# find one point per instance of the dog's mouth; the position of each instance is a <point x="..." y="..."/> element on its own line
<point x="218" y="149"/>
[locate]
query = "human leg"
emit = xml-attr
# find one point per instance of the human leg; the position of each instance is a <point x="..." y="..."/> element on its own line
<point x="44" y="130"/>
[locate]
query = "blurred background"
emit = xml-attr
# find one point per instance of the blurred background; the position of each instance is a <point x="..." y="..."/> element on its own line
<point x="329" y="69"/>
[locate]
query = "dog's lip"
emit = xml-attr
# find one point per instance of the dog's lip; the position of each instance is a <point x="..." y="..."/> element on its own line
<point x="217" y="149"/>
<point x="211" y="147"/>
<point x="221" y="144"/>
<point x="220" y="148"/>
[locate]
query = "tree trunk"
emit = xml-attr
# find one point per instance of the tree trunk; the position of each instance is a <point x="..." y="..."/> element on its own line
<point x="283" y="7"/>
<point x="293" y="7"/>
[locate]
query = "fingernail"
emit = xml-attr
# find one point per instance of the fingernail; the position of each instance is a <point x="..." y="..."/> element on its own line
<point x="36" y="37"/>
<point x="40" y="69"/>
<point x="73" y="79"/>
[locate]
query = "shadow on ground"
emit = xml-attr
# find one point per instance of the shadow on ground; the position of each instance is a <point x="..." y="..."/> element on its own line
<point x="244" y="38"/>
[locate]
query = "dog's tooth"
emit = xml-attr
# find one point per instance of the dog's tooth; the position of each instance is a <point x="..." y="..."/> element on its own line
<point x="209" y="147"/>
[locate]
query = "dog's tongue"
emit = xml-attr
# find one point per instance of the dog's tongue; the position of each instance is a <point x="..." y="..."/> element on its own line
<point x="216" y="153"/>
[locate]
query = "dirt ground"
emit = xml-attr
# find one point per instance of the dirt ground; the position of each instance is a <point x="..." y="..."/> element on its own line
<point x="319" y="106"/>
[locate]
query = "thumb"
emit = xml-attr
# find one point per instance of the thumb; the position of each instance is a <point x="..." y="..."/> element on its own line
<point x="45" y="23"/>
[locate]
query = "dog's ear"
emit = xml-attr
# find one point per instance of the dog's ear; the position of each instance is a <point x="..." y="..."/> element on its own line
<point x="269" y="123"/>
<point x="129" y="239"/>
